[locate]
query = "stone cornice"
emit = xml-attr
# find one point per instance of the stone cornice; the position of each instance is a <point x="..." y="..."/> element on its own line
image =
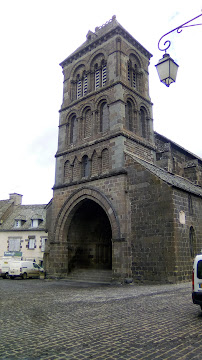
<point x="89" y="46"/>
<point x="104" y="89"/>
<point x="108" y="137"/>
<point x="91" y="179"/>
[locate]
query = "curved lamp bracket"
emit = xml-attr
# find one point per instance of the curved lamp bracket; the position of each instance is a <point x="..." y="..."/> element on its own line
<point x="179" y="29"/>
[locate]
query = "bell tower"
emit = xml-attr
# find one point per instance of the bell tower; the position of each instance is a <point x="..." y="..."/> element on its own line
<point x="106" y="104"/>
<point x="106" y="111"/>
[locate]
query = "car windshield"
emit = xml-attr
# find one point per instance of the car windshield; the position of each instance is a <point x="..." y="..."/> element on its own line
<point x="36" y="266"/>
<point x="199" y="269"/>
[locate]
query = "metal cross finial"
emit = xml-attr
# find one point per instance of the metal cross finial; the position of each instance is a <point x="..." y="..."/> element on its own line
<point x="167" y="43"/>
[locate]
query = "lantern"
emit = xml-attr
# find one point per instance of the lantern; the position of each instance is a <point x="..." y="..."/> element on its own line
<point x="167" y="70"/>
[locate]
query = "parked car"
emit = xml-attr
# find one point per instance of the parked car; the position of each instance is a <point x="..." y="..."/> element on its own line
<point x="197" y="281"/>
<point x="26" y="269"/>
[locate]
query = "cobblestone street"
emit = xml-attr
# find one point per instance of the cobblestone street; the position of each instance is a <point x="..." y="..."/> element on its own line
<point x="49" y="319"/>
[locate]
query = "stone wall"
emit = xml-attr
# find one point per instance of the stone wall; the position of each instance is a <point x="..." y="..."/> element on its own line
<point x="188" y="231"/>
<point x="152" y="227"/>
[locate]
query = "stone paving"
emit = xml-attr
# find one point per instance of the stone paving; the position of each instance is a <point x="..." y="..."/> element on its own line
<point x="59" y="320"/>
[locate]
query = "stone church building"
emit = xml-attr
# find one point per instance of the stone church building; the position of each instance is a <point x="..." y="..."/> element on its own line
<point x="126" y="200"/>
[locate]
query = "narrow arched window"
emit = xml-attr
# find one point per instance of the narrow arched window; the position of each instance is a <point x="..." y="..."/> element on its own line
<point x="97" y="77"/>
<point x="73" y="130"/>
<point x="99" y="68"/>
<point x="94" y="164"/>
<point x="129" y="72"/>
<point x="132" y="74"/>
<point x="80" y="83"/>
<point x="87" y="123"/>
<point x="129" y="117"/>
<point x="67" y="172"/>
<point x="85" y="84"/>
<point x="104" y="73"/>
<point x="143" y="122"/>
<point x="134" y="77"/>
<point x="76" y="171"/>
<point x="85" y="166"/>
<point x="104" y="117"/>
<point x="105" y="161"/>
<point x="78" y="87"/>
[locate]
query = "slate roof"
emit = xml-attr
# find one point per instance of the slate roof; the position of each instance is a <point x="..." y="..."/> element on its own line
<point x="4" y="206"/>
<point x="170" y="178"/>
<point x="25" y="213"/>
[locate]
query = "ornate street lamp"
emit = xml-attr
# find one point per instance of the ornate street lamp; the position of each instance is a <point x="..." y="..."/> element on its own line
<point x="167" y="67"/>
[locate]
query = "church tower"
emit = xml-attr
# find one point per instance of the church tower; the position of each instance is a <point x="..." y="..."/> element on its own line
<point x="106" y="114"/>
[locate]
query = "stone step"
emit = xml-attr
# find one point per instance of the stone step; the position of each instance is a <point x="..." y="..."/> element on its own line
<point x="91" y="275"/>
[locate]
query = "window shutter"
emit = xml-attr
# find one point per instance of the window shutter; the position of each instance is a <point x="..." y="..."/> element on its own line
<point x="97" y="79"/>
<point x="14" y="244"/>
<point x="78" y="89"/>
<point x="104" y="75"/>
<point x="134" y="79"/>
<point x="31" y="243"/>
<point x="85" y="85"/>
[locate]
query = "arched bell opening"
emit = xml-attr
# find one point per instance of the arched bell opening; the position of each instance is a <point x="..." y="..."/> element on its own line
<point x="89" y="237"/>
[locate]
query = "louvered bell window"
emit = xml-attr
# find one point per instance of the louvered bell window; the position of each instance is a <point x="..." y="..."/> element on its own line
<point x="129" y="73"/>
<point x="134" y="79"/>
<point x="85" y="85"/>
<point x="79" y="89"/>
<point x="104" y="75"/>
<point x="97" y="79"/>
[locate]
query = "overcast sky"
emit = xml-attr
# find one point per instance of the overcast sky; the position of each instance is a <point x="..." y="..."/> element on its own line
<point x="36" y="35"/>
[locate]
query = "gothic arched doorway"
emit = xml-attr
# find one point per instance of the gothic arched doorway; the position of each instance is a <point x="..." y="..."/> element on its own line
<point x="89" y="237"/>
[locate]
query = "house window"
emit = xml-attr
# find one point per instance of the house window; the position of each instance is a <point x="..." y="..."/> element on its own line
<point x="43" y="243"/>
<point x="17" y="223"/>
<point x="31" y="242"/>
<point x="14" y="244"/>
<point x="35" y="222"/>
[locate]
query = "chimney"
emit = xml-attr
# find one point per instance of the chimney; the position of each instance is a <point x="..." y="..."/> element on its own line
<point x="17" y="198"/>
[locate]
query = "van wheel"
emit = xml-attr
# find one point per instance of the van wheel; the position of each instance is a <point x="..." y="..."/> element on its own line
<point x="7" y="276"/>
<point x="24" y="276"/>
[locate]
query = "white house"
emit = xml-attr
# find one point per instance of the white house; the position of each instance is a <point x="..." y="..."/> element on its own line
<point x="22" y="229"/>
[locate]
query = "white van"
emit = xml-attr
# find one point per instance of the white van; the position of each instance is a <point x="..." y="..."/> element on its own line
<point x="26" y="269"/>
<point x="197" y="281"/>
<point x="5" y="262"/>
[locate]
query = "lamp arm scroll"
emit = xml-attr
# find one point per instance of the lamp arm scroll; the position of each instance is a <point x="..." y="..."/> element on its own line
<point x="167" y="43"/>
